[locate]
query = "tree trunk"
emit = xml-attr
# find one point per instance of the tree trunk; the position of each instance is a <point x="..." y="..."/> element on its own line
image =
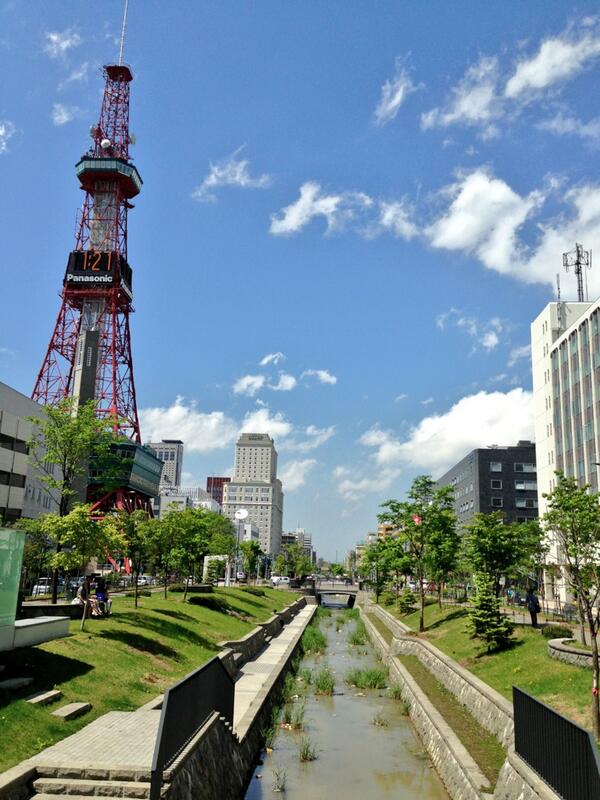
<point x="136" y="575"/>
<point x="166" y="578"/>
<point x="595" y="671"/>
<point x="582" y="621"/>
<point x="422" y="609"/>
<point x="185" y="589"/>
<point x="440" y="586"/>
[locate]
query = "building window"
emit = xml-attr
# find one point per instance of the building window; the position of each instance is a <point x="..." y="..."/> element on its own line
<point x="497" y="502"/>
<point x="496" y="484"/>
<point x="526" y="503"/>
<point x="526" y="486"/>
<point x="495" y="466"/>
<point x="519" y="467"/>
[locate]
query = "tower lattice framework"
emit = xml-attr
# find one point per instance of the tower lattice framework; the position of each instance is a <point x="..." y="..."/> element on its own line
<point x="89" y="354"/>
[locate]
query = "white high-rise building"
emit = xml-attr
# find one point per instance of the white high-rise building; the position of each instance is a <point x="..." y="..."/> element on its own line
<point x="170" y="452"/>
<point x="256" y="488"/>
<point x="565" y="354"/>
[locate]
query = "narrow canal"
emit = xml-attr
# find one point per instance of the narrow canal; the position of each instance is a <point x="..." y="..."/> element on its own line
<point x="360" y="740"/>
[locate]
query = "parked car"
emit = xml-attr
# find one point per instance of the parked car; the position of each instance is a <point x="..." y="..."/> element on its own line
<point x="44" y="586"/>
<point x="280" y="580"/>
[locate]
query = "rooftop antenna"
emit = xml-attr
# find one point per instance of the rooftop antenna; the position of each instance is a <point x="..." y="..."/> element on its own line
<point x="578" y="259"/>
<point x="123" y="32"/>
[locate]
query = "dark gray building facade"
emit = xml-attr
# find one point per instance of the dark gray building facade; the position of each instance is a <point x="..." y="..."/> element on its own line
<point x="495" y="479"/>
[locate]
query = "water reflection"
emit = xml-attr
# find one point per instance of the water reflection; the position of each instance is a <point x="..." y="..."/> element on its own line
<point x="357" y="760"/>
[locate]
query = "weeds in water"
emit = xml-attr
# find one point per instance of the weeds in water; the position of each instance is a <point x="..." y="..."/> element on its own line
<point x="323" y="612"/>
<point x="305" y="675"/>
<point x="323" y="681"/>
<point x="293" y="715"/>
<point x="268" y="734"/>
<point x="380" y="721"/>
<point x="307" y="750"/>
<point x="288" y="689"/>
<point x="313" y="640"/>
<point x="359" y="635"/>
<point x="351" y="613"/>
<point x="374" y="678"/>
<point x="279" y="779"/>
<point x="395" y="691"/>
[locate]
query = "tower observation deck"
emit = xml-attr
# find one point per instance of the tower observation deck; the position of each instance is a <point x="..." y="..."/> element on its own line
<point x="89" y="354"/>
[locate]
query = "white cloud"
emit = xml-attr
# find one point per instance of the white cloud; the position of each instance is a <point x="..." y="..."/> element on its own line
<point x="201" y="432"/>
<point x="440" y="440"/>
<point x="7" y="131"/>
<point x="271" y="358"/>
<point x="249" y="385"/>
<point x="315" y="438"/>
<point x="396" y="217"/>
<point x="485" y="334"/>
<point x="483" y="218"/>
<point x="61" y="114"/>
<point x="262" y="421"/>
<point x="322" y="375"/>
<point x="571" y="126"/>
<point x="77" y="75"/>
<point x="58" y="44"/>
<point x="393" y="93"/>
<point x="230" y="171"/>
<point x="285" y="383"/>
<point x="519" y="353"/>
<point x="294" y="473"/>
<point x="400" y="397"/>
<point x="352" y="486"/>
<point x="473" y="101"/>
<point x="427" y="402"/>
<point x="558" y="59"/>
<point x="313" y="202"/>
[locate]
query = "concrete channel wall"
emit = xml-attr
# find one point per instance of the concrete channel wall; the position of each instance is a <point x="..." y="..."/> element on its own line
<point x="457" y="769"/>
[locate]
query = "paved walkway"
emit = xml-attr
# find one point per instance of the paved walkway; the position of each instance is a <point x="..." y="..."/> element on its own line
<point x="254" y="674"/>
<point x="124" y="740"/>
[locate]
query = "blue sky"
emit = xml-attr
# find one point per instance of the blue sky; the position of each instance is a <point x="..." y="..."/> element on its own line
<point x="351" y="213"/>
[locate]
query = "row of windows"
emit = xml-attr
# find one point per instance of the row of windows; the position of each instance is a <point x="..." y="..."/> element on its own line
<point x="497" y="466"/>
<point x="498" y="502"/>
<point x="528" y="486"/>
<point x="12" y="479"/>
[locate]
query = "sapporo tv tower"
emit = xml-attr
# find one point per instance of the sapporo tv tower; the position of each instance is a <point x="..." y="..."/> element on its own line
<point x="89" y="355"/>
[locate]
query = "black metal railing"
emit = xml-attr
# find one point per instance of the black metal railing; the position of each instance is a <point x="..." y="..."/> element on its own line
<point x="186" y="707"/>
<point x="561" y="752"/>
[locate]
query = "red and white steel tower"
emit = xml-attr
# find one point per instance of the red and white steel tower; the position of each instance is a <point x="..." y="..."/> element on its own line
<point x="89" y="355"/>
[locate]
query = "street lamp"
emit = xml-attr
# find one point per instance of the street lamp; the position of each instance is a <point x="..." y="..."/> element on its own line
<point x="240" y="514"/>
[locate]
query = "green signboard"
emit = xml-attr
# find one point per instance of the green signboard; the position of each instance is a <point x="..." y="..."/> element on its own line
<point x="11" y="558"/>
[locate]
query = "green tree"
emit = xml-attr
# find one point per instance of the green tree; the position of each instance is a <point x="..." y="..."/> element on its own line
<point x="161" y="541"/>
<point x="62" y="443"/>
<point x="250" y="553"/>
<point x="376" y="563"/>
<point x="36" y="551"/>
<point x="428" y="513"/>
<point x="573" y="519"/>
<point x="498" y="550"/>
<point x="442" y="552"/>
<point x="79" y="538"/>
<point x="132" y="528"/>
<point x="485" y="617"/>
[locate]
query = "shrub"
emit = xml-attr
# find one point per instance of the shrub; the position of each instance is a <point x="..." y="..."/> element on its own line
<point x="323" y="681"/>
<point x="557" y="632"/>
<point x="141" y="593"/>
<point x="387" y="598"/>
<point x="374" y="678"/>
<point x="193" y="587"/>
<point x="210" y="601"/>
<point x="407" y="601"/>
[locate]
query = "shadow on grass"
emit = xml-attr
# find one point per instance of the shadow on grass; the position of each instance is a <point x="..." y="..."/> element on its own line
<point x="167" y="628"/>
<point x="462" y="612"/>
<point x="143" y="643"/>
<point x="167" y="612"/>
<point x="47" y="670"/>
<point x="512" y="644"/>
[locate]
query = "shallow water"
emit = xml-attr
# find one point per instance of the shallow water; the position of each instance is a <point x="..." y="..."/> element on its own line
<point x="356" y="759"/>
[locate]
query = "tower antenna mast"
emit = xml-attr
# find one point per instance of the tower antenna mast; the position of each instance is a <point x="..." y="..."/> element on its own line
<point x="578" y="259"/>
<point x="123" y="33"/>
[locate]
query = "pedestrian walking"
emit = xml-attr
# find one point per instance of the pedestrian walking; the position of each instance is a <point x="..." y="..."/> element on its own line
<point x="533" y="606"/>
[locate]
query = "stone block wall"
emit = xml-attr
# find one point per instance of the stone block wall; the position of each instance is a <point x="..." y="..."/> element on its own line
<point x="561" y="651"/>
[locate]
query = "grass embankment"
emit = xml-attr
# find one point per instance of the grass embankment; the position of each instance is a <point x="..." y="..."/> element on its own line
<point x="486" y="750"/>
<point x="121" y="662"/>
<point x="525" y="664"/>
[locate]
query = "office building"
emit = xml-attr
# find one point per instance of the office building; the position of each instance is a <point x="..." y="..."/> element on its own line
<point x="495" y="479"/>
<point x="565" y="354"/>
<point x="201" y="499"/>
<point x="22" y="493"/>
<point x="170" y="452"/>
<point x="214" y="487"/>
<point x="256" y="488"/>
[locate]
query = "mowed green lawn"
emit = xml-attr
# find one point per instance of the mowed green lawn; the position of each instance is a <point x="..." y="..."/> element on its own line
<point x="526" y="664"/>
<point x="121" y="662"/>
